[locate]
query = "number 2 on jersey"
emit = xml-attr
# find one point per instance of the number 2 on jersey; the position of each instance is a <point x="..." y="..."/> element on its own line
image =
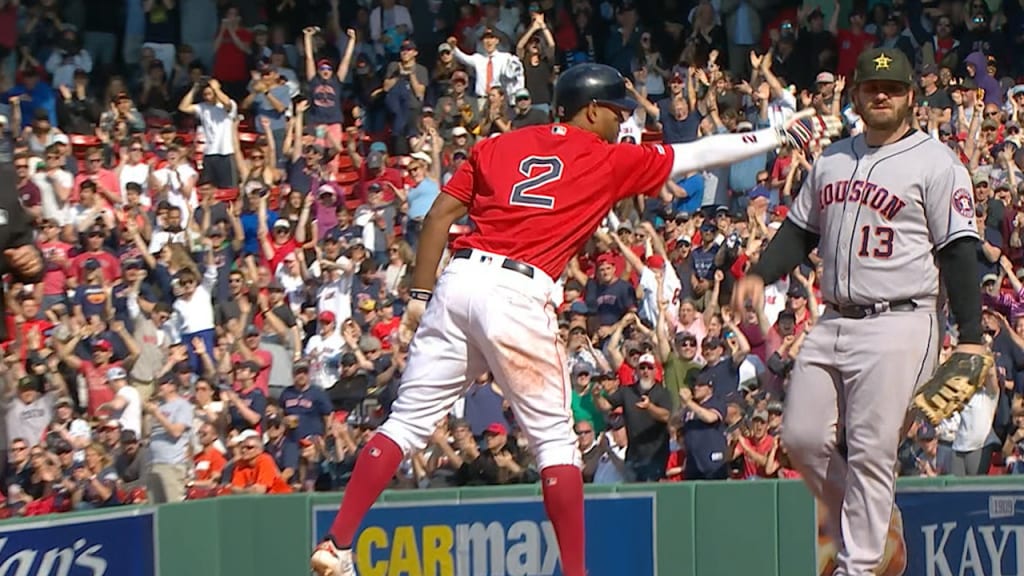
<point x="539" y="172"/>
<point x="878" y="236"/>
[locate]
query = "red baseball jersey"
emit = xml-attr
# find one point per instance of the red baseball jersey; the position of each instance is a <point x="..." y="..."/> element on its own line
<point x="537" y="194"/>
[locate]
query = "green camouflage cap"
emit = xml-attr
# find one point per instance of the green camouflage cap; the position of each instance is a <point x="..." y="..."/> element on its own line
<point x="883" y="64"/>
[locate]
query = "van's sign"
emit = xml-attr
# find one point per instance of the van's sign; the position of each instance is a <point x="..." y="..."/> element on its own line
<point x="116" y="544"/>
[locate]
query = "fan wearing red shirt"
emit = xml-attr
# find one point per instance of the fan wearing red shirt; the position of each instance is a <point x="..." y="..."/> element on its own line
<point x="851" y="42"/>
<point x="279" y="241"/>
<point x="374" y="169"/>
<point x="104" y="183"/>
<point x="231" y="50"/>
<point x="755" y="448"/>
<point x="56" y="261"/>
<point x="252" y="351"/>
<point x="629" y="369"/>
<point x="95" y="371"/>
<point x="94" y="252"/>
<point x="386" y="325"/>
<point x="28" y="193"/>
<point x="209" y="463"/>
<point x="535" y="195"/>
<point x="27" y="326"/>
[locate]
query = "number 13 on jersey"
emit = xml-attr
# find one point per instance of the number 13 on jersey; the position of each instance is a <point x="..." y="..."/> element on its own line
<point x="876" y="241"/>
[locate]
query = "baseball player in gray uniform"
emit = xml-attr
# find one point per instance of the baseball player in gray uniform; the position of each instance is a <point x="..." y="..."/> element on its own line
<point x="887" y="209"/>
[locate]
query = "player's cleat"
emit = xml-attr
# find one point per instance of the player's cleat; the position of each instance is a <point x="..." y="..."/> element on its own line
<point x="328" y="560"/>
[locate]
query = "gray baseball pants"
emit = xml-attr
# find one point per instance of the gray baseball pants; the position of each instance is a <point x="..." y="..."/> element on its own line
<point x="846" y="408"/>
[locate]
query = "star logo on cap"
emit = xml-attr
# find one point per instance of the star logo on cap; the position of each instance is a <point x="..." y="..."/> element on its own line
<point x="882" y="62"/>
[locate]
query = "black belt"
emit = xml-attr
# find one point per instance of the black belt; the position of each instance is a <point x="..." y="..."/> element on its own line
<point x="856" y="311"/>
<point x="507" y="263"/>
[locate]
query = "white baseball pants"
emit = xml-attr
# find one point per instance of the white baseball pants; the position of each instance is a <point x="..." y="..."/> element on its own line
<point x="483" y="317"/>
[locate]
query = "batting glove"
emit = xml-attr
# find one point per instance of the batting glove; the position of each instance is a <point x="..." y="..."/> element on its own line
<point x="807" y="129"/>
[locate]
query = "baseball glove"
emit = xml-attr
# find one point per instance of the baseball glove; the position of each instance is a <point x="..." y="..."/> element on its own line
<point x="952" y="385"/>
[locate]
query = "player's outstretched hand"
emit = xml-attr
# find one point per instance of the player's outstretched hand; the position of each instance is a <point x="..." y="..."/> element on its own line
<point x="806" y="129"/>
<point x="410" y="321"/>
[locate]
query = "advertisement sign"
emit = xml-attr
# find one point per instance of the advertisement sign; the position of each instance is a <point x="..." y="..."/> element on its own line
<point x="949" y="532"/>
<point x="508" y="537"/>
<point x="115" y="544"/>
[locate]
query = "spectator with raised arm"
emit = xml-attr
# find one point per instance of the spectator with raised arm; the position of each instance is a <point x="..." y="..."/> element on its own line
<point x="216" y="113"/>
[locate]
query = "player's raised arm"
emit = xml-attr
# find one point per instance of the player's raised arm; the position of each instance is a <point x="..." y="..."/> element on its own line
<point x="800" y="131"/>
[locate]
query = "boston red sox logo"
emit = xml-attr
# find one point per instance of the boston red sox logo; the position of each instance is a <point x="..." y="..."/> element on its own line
<point x="963" y="203"/>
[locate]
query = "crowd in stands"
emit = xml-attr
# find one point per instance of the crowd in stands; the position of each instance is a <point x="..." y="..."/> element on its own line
<point x="229" y="200"/>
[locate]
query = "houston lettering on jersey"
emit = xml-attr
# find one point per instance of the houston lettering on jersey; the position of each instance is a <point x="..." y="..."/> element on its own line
<point x="863" y="192"/>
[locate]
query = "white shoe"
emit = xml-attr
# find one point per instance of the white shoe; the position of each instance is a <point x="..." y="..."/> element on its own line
<point x="328" y="560"/>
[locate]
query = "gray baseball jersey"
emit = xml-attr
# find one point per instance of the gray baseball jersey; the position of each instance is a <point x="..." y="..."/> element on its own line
<point x="882" y="213"/>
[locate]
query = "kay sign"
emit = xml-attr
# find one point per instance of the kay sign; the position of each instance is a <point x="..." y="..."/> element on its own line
<point x="954" y="531"/>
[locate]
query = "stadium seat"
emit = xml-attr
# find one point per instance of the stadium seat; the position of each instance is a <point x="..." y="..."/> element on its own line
<point x="346" y="177"/>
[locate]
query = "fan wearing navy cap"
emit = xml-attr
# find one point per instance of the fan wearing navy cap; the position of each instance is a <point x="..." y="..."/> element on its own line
<point x="921" y="454"/>
<point x="675" y="113"/>
<point x="657" y="278"/>
<point x="325" y="84"/>
<point x="94" y="370"/>
<point x="704" y="430"/>
<point x="90" y="297"/>
<point x="723" y="362"/>
<point x="308" y="403"/>
<point x="94" y="250"/>
<point x="405" y="84"/>
<point x="374" y="169"/>
<point x="802" y="300"/>
<point x="703" y="258"/>
<point x="607" y="296"/>
<point x="246" y="406"/>
<point x="219" y="252"/>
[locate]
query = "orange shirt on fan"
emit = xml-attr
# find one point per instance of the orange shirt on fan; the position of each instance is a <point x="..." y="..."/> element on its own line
<point x="208" y="463"/>
<point x="263" y="472"/>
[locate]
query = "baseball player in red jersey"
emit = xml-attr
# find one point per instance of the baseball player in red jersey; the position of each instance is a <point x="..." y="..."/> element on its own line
<point x="535" y="196"/>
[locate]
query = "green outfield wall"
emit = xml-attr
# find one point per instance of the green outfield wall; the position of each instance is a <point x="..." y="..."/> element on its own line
<point x="756" y="528"/>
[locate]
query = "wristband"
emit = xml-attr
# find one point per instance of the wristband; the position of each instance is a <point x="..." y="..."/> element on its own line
<point x="421" y="295"/>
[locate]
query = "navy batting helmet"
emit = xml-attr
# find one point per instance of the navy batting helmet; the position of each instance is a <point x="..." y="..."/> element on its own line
<point x="586" y="83"/>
